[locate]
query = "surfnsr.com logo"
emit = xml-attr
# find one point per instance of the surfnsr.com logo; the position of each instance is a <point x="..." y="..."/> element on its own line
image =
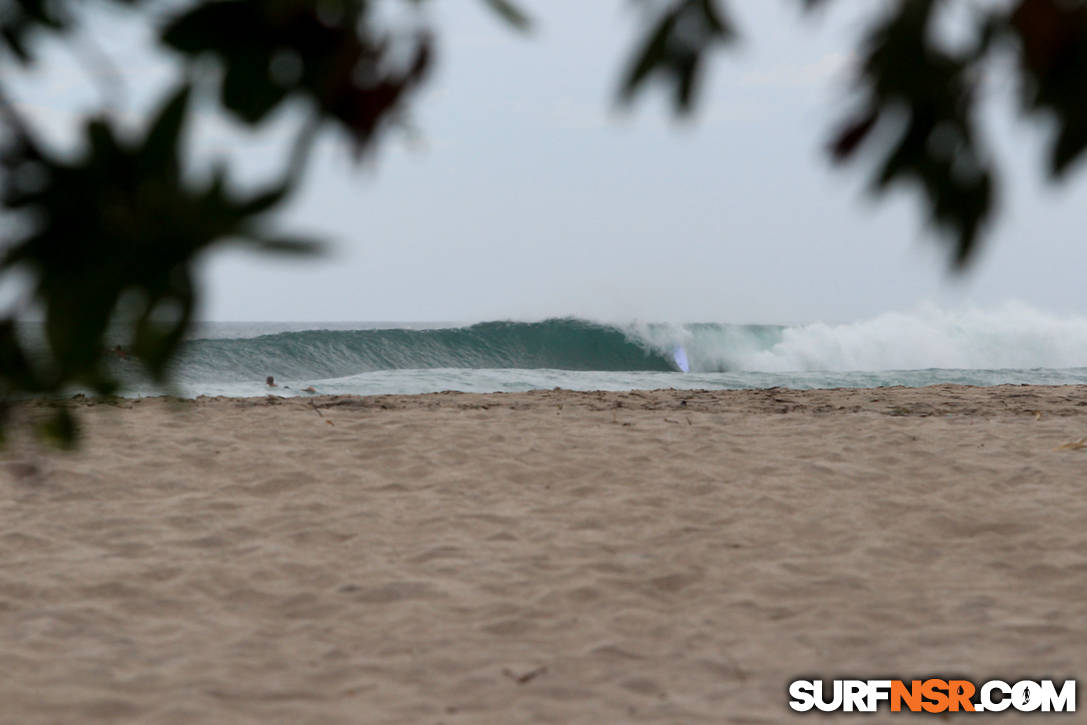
<point x="932" y="696"/>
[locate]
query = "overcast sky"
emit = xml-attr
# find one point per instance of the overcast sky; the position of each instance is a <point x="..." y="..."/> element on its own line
<point x="527" y="194"/>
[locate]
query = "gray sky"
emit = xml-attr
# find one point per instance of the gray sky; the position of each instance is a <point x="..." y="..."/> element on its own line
<point x="528" y="195"/>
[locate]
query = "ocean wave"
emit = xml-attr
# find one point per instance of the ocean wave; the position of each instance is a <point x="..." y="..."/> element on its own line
<point x="563" y="344"/>
<point x="1011" y="337"/>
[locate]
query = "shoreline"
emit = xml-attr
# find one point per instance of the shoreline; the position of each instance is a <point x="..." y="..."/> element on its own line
<point x="1007" y="398"/>
<point x="583" y="557"/>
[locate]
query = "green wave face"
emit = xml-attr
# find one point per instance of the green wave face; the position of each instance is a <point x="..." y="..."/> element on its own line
<point x="562" y="344"/>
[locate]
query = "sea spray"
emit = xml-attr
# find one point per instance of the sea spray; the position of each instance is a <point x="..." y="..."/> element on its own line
<point x="1012" y="337"/>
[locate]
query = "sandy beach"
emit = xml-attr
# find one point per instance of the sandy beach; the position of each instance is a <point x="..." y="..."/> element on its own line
<point x="657" y="557"/>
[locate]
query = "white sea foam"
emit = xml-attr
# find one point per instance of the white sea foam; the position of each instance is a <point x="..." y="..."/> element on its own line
<point x="1013" y="336"/>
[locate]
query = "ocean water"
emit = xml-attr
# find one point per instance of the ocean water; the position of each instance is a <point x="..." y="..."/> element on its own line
<point x="1013" y="344"/>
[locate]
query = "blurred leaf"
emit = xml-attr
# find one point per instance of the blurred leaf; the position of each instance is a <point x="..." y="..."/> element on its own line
<point x="265" y="200"/>
<point x="511" y="13"/>
<point x="1052" y="41"/>
<point x="287" y="245"/>
<point x="119" y="222"/>
<point x="161" y="143"/>
<point x="675" y="47"/>
<point x="155" y="340"/>
<point x="654" y="53"/>
<point x="20" y="19"/>
<point x="16" y="372"/>
<point x="850" y="137"/>
<point x="13" y="38"/>
<point x="346" y="69"/>
<point x="927" y="93"/>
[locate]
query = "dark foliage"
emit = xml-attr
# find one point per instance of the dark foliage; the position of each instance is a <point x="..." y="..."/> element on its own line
<point x="924" y="94"/>
<point x="930" y="100"/>
<point x="1052" y="40"/>
<point x="676" y="46"/>
<point x="323" y="52"/>
<point x="110" y="238"/>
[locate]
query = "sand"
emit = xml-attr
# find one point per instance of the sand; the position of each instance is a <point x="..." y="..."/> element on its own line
<point x="565" y="557"/>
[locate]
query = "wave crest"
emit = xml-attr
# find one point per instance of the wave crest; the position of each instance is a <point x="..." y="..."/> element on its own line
<point x="1012" y="337"/>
